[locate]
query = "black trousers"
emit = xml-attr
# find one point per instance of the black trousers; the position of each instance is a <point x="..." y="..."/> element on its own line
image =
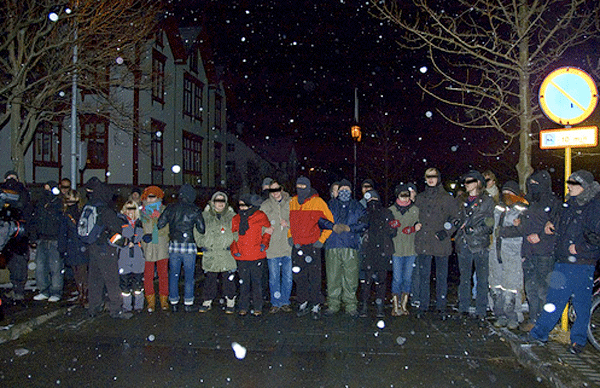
<point x="306" y="267"/>
<point x="251" y="283"/>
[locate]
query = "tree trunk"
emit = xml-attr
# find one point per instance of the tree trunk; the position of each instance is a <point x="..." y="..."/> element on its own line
<point x="17" y="152"/>
<point x="524" y="168"/>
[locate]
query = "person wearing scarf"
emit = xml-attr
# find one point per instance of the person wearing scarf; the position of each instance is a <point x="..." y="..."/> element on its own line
<point x="252" y="234"/>
<point x="406" y="221"/>
<point x="307" y="238"/>
<point x="155" y="244"/>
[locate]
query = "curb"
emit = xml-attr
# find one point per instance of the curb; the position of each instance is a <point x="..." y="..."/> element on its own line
<point x="19" y="329"/>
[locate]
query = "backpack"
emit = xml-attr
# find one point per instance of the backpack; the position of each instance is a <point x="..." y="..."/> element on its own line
<point x="88" y="228"/>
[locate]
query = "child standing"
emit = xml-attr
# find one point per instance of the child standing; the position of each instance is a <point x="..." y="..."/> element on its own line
<point x="131" y="258"/>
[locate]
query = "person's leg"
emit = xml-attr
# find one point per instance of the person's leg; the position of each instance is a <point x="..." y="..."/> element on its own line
<point x="109" y="268"/>
<point x="17" y="266"/>
<point x="482" y="270"/>
<point x="42" y="268"/>
<point x="229" y="284"/>
<point x="137" y="284"/>
<point x="274" y="265"/>
<point x="95" y="283"/>
<point x="397" y="274"/>
<point x="189" y="267"/>
<point x="314" y="276"/>
<point x="300" y="274"/>
<point x="256" y="277"/>
<point x="424" y="281"/>
<point x="149" y="277"/>
<point x="286" y="280"/>
<point x="559" y="293"/>
<point x="350" y="279"/>
<point x="175" y="261"/>
<point x="162" y="268"/>
<point x="465" y="264"/>
<point x="581" y="281"/>
<point x="333" y="270"/>
<point x="245" y="279"/>
<point x="407" y="266"/>
<point x="209" y="289"/>
<point x="124" y="286"/>
<point x="57" y="265"/>
<point x="531" y="291"/>
<point x="441" y="282"/>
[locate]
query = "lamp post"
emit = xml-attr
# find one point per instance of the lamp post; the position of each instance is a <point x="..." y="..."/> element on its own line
<point x="355" y="132"/>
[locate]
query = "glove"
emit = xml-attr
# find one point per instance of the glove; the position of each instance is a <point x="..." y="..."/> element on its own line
<point x="340" y="228"/>
<point x="318" y="244"/>
<point x="262" y="247"/>
<point x="408" y="230"/>
<point x="291" y="241"/>
<point x="122" y="242"/>
<point x="237" y="254"/>
<point x="441" y="235"/>
<point x="147" y="238"/>
<point x="395" y="224"/>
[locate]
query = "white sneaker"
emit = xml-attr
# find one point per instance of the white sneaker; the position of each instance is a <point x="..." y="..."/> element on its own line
<point x="40" y="296"/>
<point x="54" y="298"/>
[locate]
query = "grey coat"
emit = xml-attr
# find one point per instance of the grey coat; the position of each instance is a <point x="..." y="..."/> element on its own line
<point x="436" y="207"/>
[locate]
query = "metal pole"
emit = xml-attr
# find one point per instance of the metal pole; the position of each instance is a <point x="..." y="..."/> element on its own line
<point x="74" y="119"/>
<point x="354" y="183"/>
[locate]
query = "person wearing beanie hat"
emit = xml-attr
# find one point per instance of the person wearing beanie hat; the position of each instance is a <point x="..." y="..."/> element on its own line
<point x="406" y="222"/>
<point x="490" y="185"/>
<point x="576" y="252"/>
<point x="341" y="251"/>
<point x="182" y="218"/>
<point x="155" y="243"/>
<point x="365" y="186"/>
<point x="217" y="261"/>
<point x="253" y="231"/>
<point x="49" y="274"/>
<point x="475" y="224"/>
<point x="378" y="248"/>
<point x="265" y="188"/>
<point x="135" y="195"/>
<point x="279" y="253"/>
<point x="307" y="237"/>
<point x="505" y="268"/>
<point x="433" y="242"/>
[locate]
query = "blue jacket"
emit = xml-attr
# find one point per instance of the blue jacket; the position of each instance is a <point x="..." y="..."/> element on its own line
<point x="347" y="213"/>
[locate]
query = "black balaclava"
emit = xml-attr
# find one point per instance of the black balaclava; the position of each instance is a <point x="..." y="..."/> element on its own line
<point x="543" y="185"/>
<point x="303" y="194"/>
<point x="253" y="202"/>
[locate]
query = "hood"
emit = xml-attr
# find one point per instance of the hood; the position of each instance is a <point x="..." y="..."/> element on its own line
<point x="538" y="184"/>
<point x="187" y="194"/>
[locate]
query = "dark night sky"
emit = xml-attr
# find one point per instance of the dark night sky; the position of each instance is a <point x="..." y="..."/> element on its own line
<point x="291" y="67"/>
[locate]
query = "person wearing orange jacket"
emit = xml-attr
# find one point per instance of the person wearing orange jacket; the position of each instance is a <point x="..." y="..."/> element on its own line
<point x="307" y="237"/>
<point x="252" y="230"/>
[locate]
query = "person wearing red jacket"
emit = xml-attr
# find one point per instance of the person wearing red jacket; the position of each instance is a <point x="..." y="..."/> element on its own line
<point x="253" y="231"/>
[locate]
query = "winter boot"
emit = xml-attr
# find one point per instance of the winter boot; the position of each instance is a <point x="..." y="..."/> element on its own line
<point x="379" y="305"/>
<point x="151" y="302"/>
<point x="498" y="301"/>
<point x="127" y="301"/>
<point x="79" y="294"/>
<point x="396" y="306"/>
<point x="138" y="300"/>
<point x="363" y="311"/>
<point x="206" y="306"/>
<point x="230" y="307"/>
<point x="164" y="302"/>
<point x="509" y="308"/>
<point x="404" y="303"/>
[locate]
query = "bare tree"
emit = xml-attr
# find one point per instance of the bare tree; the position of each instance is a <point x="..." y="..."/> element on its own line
<point x="489" y="55"/>
<point x="38" y="44"/>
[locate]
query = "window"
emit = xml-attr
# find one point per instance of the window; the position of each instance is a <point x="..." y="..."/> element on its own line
<point x="192" y="158"/>
<point x="218" y="107"/>
<point x="217" y="161"/>
<point x="230" y="147"/>
<point x="194" y="61"/>
<point x="158" y="77"/>
<point x="156" y="150"/>
<point x="94" y="130"/>
<point x="158" y="38"/>
<point x="46" y="146"/>
<point x="192" y="97"/>
<point x="230" y="166"/>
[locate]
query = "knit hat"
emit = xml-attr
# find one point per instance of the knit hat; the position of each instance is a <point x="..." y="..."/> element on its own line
<point x="267" y="182"/>
<point x="372" y="195"/>
<point x="368" y="182"/>
<point x="187" y="193"/>
<point x="513" y="187"/>
<point x="474" y="174"/>
<point x="92" y="184"/>
<point x="251" y="200"/>
<point x="152" y="190"/>
<point x="11" y="172"/>
<point x="345" y="182"/>
<point x="402" y="187"/>
<point x="583" y="177"/>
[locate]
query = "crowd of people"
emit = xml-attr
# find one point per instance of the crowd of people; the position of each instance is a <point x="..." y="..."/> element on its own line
<point x="510" y="248"/>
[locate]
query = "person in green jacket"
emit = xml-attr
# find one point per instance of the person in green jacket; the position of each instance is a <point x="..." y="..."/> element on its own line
<point x="217" y="260"/>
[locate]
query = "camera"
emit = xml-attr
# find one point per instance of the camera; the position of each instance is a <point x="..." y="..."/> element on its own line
<point x="8" y="230"/>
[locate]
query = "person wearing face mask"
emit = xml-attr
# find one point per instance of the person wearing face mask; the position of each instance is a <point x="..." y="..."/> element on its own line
<point x="307" y="238"/>
<point x="49" y="273"/>
<point x="217" y="261"/>
<point x="506" y="270"/>
<point x="406" y="221"/>
<point x="341" y="251"/>
<point x="279" y="253"/>
<point x="538" y="247"/>
<point x="70" y="246"/>
<point x="155" y="244"/>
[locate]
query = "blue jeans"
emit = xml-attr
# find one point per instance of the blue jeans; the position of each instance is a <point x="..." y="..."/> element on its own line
<point x="441" y="281"/>
<point x="49" y="275"/>
<point x="466" y="259"/>
<point x="280" y="280"/>
<point x="567" y="281"/>
<point x="403" y="269"/>
<point x="189" y="266"/>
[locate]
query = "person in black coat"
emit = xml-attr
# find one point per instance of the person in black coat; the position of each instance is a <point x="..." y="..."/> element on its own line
<point x="378" y="248"/>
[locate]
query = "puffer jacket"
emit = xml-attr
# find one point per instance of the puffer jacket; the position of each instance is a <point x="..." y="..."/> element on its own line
<point x="304" y="220"/>
<point x="436" y="207"/>
<point x="182" y="217"/>
<point x="277" y="211"/>
<point x="131" y="259"/>
<point x="476" y="222"/>
<point x="217" y="240"/>
<point x="348" y="213"/>
<point x="248" y="245"/>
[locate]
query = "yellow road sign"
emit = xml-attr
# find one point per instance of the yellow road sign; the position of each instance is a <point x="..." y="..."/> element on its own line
<point x="571" y="137"/>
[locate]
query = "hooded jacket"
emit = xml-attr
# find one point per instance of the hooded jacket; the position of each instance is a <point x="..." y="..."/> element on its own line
<point x="101" y="197"/>
<point x="377" y="245"/>
<point x="277" y="211"/>
<point x="46" y="217"/>
<point x="476" y="220"/>
<point x="248" y="245"/>
<point x="217" y="239"/>
<point x="348" y="213"/>
<point x="182" y="217"/>
<point x="304" y="220"/>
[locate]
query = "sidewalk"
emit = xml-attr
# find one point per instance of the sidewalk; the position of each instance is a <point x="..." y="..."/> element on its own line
<point x="552" y="362"/>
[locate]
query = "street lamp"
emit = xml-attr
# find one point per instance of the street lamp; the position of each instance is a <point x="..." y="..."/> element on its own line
<point x="355" y="131"/>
